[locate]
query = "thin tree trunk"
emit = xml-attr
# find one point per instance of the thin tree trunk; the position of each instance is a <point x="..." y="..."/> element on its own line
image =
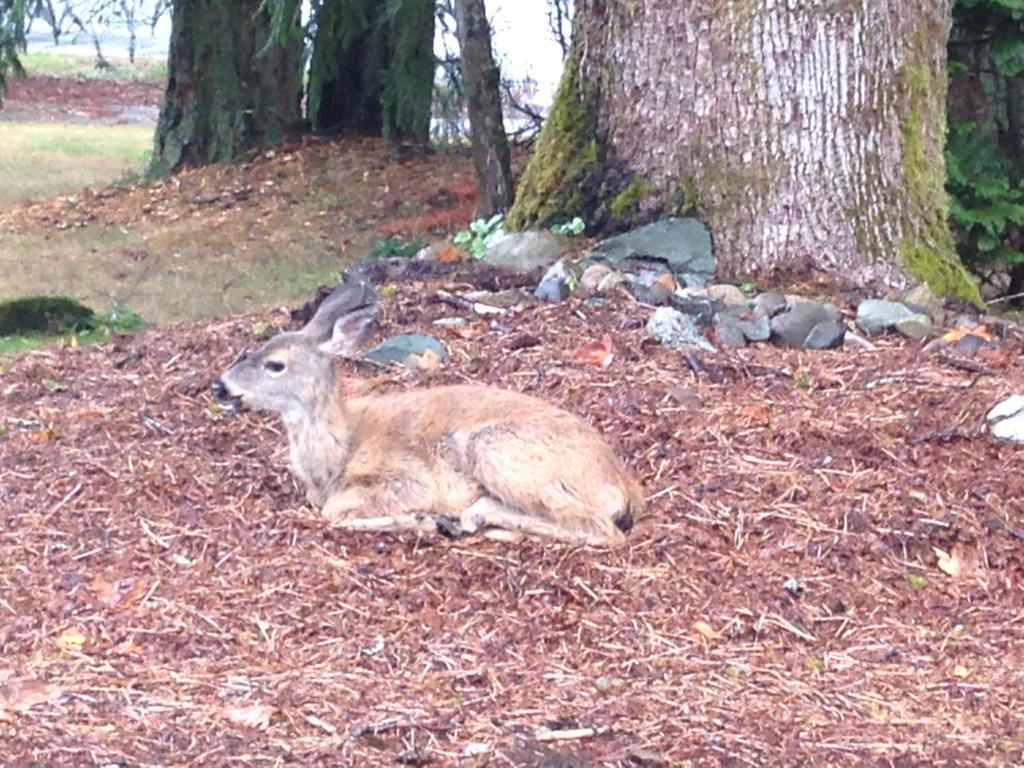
<point x="229" y="88"/>
<point x="482" y="80"/>
<point x="808" y="135"/>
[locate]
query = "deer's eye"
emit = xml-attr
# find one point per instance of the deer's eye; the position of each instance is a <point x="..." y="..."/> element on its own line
<point x="274" y="366"/>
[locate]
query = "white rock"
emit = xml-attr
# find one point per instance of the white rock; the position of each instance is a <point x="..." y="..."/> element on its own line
<point x="1008" y="418"/>
<point x="1011" y="406"/>
<point x="1011" y="429"/>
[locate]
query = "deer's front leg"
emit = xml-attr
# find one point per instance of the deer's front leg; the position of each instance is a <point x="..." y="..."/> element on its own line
<point x="376" y="508"/>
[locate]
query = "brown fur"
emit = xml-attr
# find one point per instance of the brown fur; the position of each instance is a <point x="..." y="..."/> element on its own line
<point x="486" y="457"/>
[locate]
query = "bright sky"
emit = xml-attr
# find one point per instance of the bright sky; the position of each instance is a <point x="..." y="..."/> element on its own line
<point x="522" y="42"/>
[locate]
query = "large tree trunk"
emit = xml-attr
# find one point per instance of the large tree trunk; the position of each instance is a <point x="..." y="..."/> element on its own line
<point x="372" y="68"/>
<point x="808" y="135"/>
<point x="229" y="86"/>
<point x="482" y="80"/>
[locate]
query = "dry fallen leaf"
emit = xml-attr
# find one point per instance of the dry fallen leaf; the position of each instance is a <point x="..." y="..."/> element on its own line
<point x="997" y="358"/>
<point x="252" y="716"/>
<point x="43" y="435"/>
<point x="953" y="336"/>
<point x="668" y="281"/>
<point x="757" y="414"/>
<point x="599" y="352"/>
<point x="107" y="593"/>
<point x="451" y="254"/>
<point x="71" y="640"/>
<point x="706" y="631"/>
<point x="427" y="361"/>
<point x="90" y="413"/>
<point x="948" y="563"/>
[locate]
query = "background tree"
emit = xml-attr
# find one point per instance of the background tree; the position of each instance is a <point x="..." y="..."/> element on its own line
<point x="809" y="136"/>
<point x="372" y="67"/>
<point x="985" y="145"/>
<point x="560" y="23"/>
<point x="482" y="82"/>
<point x="232" y="85"/>
<point x="12" y="39"/>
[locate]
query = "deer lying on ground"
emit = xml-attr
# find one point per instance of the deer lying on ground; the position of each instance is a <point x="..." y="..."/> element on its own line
<point x="452" y="459"/>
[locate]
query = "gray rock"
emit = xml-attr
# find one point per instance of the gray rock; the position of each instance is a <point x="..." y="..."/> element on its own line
<point x="729" y="334"/>
<point x="674" y="329"/>
<point x="922" y="299"/>
<point x="915" y="326"/>
<point x="556" y="284"/>
<point x="729" y="295"/>
<point x="753" y="324"/>
<point x="700" y="309"/>
<point x="681" y="245"/>
<point x="965" y="321"/>
<point x="507" y="299"/>
<point x="856" y="340"/>
<point x="593" y="276"/>
<point x="771" y="303"/>
<point x="826" y="335"/>
<point x="878" y="315"/>
<point x="687" y="397"/>
<point x="409" y="349"/>
<point x="1008" y="419"/>
<point x="450" y="322"/>
<point x="527" y="251"/>
<point x="935" y="347"/>
<point x="792" y="327"/>
<point x="969" y="345"/>
<point x="611" y="281"/>
<point x="647" y="288"/>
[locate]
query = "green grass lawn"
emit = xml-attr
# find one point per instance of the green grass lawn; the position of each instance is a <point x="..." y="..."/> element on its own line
<point x="46" y="159"/>
<point x="48" y="64"/>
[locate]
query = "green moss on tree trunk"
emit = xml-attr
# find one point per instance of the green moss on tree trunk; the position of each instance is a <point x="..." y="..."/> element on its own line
<point x="559" y="179"/>
<point x="929" y="253"/>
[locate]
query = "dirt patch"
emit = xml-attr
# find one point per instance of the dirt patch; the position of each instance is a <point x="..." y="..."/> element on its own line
<point x="168" y="598"/>
<point x="82" y="100"/>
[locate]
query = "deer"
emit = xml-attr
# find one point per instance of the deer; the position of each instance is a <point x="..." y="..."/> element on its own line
<point x="453" y="460"/>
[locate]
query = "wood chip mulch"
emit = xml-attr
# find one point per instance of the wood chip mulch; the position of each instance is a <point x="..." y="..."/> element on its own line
<point x="831" y="572"/>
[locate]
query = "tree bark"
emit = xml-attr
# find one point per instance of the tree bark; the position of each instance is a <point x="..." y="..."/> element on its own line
<point x="230" y="86"/>
<point x="372" y="68"/>
<point x="808" y="135"/>
<point x="482" y="81"/>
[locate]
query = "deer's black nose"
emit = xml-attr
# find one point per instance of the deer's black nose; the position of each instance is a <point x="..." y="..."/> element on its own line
<point x="220" y="390"/>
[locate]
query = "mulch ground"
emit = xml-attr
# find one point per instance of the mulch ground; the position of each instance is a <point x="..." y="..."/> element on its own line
<point x="830" y="573"/>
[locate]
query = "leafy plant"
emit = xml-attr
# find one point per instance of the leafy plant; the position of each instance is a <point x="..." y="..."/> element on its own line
<point x="570" y="228"/>
<point x="987" y="209"/>
<point x="396" y="247"/>
<point x="481" y="234"/>
<point x="985" y="168"/>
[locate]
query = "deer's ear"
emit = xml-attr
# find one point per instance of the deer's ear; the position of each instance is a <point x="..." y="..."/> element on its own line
<point x="353" y="295"/>
<point x="351" y="331"/>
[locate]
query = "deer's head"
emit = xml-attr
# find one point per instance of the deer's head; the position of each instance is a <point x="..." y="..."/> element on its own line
<point x="293" y="373"/>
